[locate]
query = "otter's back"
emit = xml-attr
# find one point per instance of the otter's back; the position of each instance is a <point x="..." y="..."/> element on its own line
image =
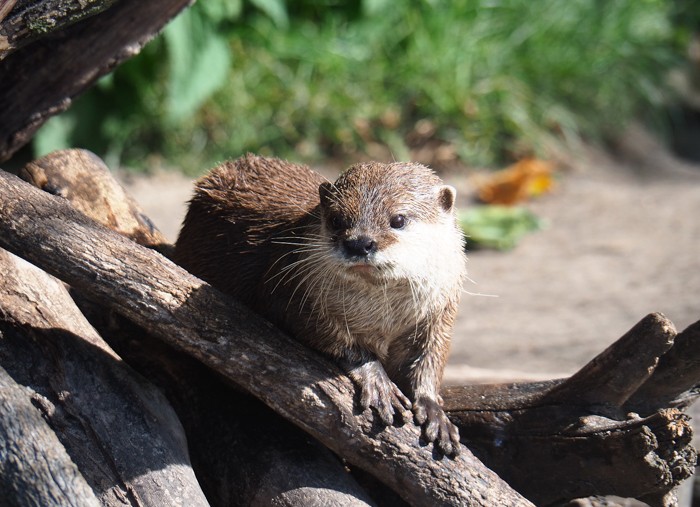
<point x="239" y="207"/>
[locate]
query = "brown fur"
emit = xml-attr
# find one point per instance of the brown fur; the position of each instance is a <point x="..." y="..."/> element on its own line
<point x="284" y="241"/>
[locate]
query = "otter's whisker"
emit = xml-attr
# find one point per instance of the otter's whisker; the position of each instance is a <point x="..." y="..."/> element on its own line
<point x="311" y="271"/>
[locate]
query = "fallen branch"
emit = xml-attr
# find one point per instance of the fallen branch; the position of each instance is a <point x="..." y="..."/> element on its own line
<point x="241" y="451"/>
<point x="193" y="317"/>
<point x="587" y="435"/>
<point x="39" y="80"/>
<point x="518" y="428"/>
<point x="74" y="414"/>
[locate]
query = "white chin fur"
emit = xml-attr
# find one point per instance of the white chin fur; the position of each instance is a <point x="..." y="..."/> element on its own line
<point x="431" y="253"/>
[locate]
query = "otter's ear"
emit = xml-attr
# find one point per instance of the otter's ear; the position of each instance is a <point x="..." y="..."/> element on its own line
<point x="324" y="192"/>
<point x="446" y="197"/>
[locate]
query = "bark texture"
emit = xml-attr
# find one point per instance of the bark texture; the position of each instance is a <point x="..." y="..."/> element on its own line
<point x="35" y="468"/>
<point x="26" y="21"/>
<point x="615" y="427"/>
<point x="598" y="432"/>
<point x="188" y="314"/>
<point x="51" y="51"/>
<point x="101" y="417"/>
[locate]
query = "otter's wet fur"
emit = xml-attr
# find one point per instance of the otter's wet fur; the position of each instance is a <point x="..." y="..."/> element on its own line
<point x="368" y="269"/>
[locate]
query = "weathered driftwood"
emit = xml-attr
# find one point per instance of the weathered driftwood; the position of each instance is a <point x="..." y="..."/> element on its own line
<point x="39" y="79"/>
<point x="525" y="427"/>
<point x="241" y="451"/>
<point x="183" y="311"/>
<point x="40" y="343"/>
<point x="82" y="178"/>
<point x="35" y="468"/>
<point x="589" y="434"/>
<point x="32" y="20"/>
<point x="114" y="428"/>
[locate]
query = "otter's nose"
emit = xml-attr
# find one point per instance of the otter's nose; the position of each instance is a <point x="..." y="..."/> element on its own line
<point x="361" y="247"/>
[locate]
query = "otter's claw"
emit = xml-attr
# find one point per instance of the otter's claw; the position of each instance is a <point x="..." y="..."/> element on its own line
<point x="380" y="394"/>
<point x="437" y="428"/>
<point x="386" y="399"/>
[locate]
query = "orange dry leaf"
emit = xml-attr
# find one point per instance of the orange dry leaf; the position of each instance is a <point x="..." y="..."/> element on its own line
<point x="524" y="179"/>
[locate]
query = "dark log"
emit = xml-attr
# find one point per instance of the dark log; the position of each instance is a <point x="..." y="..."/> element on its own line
<point x="32" y="20"/>
<point x="241" y="451"/>
<point x="183" y="311"/>
<point x="41" y="78"/>
<point x="118" y="430"/>
<point x="590" y="434"/>
<point x="35" y="468"/>
<point x="544" y="421"/>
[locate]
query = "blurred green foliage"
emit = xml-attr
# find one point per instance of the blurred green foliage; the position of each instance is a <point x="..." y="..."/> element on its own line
<point x="497" y="227"/>
<point x="308" y="79"/>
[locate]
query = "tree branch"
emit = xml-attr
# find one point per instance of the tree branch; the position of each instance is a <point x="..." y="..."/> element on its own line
<point x="118" y="430"/>
<point x="40" y="79"/>
<point x="591" y="434"/>
<point x="514" y="428"/>
<point x="196" y="319"/>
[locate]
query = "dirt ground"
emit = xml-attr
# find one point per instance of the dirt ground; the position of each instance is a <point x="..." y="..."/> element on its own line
<point x="623" y="240"/>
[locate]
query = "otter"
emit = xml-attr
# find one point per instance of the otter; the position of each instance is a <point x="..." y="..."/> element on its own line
<point x="367" y="270"/>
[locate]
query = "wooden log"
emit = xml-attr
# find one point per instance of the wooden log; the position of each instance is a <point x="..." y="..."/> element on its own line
<point x="641" y="457"/>
<point x="583" y="435"/>
<point x="675" y="380"/>
<point x="35" y="468"/>
<point x="82" y="178"/>
<point x="241" y="451"/>
<point x="32" y="20"/>
<point x="187" y="313"/>
<point x="40" y="79"/>
<point x="612" y="377"/>
<point x="119" y="431"/>
<point x="555" y="418"/>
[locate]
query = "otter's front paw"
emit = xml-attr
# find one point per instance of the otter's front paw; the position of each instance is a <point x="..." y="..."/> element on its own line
<point x="380" y="394"/>
<point x="436" y="426"/>
<point x="386" y="399"/>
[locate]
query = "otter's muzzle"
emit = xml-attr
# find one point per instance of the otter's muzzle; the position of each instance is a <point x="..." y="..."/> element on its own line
<point x="361" y="246"/>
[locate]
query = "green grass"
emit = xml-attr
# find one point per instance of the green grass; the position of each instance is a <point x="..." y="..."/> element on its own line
<point x="494" y="79"/>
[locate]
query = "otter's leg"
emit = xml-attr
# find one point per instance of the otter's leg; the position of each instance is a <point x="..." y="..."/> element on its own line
<point x="436" y="426"/>
<point x="377" y="391"/>
<point x="417" y="365"/>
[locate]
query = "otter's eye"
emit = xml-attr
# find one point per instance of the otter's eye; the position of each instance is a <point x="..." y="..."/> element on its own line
<point x="338" y="223"/>
<point x="397" y="222"/>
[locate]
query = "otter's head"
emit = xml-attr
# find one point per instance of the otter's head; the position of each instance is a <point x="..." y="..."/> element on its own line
<point x="388" y="220"/>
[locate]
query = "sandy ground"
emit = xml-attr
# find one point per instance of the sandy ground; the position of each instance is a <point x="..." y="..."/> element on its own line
<point x="623" y="240"/>
<point x="616" y="248"/>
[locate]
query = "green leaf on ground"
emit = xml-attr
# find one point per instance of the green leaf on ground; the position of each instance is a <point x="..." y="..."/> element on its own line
<point x="499" y="227"/>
